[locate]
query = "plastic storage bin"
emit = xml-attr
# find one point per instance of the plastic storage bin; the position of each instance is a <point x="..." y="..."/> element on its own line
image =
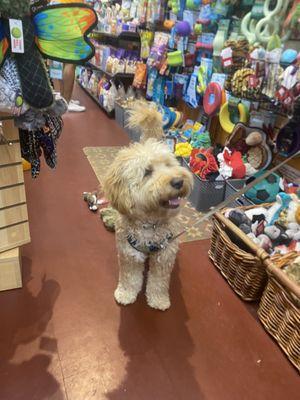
<point x="205" y="194"/>
<point x="231" y="187"/>
<point x="121" y="116"/>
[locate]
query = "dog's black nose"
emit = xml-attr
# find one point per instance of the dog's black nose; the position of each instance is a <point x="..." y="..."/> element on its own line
<point x="177" y="183"/>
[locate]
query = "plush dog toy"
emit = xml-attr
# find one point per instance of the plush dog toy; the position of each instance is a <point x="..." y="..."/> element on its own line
<point x="91" y="199"/>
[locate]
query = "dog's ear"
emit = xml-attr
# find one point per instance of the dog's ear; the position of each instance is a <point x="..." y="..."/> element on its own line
<point x="116" y="190"/>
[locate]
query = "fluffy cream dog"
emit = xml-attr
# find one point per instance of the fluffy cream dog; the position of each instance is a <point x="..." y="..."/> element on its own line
<point x="147" y="186"/>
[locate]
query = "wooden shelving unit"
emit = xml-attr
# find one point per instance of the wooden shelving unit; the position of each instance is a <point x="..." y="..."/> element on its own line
<point x="14" y="226"/>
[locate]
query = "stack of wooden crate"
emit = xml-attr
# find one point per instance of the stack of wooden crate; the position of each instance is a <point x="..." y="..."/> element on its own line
<point x="14" y="226"/>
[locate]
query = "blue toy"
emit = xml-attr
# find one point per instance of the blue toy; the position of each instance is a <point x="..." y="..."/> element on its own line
<point x="282" y="203"/>
<point x="266" y="190"/>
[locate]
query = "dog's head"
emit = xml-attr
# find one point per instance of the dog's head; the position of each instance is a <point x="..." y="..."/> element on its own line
<point x="147" y="180"/>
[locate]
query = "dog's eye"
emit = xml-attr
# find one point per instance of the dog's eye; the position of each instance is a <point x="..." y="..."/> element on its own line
<point x="148" y="172"/>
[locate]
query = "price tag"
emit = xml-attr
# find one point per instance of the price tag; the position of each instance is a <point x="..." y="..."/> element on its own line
<point x="170" y="142"/>
<point x="226" y="55"/>
<point x="282" y="93"/>
<point x="16" y="36"/>
<point x="253" y="81"/>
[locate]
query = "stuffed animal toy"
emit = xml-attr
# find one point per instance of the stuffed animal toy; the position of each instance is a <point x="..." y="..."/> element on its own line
<point x="203" y="163"/>
<point x="258" y="227"/>
<point x="231" y="164"/>
<point x="108" y="216"/>
<point x="255" y="214"/>
<point x="262" y="241"/>
<point x="239" y="217"/>
<point x="293" y="231"/>
<point x="91" y="199"/>
<point x="265" y="191"/>
<point x="293" y="209"/>
<point x="277" y="235"/>
<point x="57" y="32"/>
<point x="282" y="202"/>
<point x="254" y="138"/>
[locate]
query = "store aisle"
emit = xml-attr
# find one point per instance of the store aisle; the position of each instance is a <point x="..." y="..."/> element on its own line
<point x="63" y="337"/>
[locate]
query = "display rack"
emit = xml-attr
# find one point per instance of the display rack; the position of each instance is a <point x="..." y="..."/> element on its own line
<point x="125" y="40"/>
<point x="14" y="226"/>
<point x="119" y="75"/>
<point x="94" y="98"/>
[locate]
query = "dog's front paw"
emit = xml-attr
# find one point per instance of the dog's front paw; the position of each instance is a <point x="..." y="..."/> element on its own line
<point x="161" y="303"/>
<point x="124" y="297"/>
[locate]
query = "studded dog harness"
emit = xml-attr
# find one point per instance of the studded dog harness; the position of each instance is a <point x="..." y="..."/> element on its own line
<point x="150" y="247"/>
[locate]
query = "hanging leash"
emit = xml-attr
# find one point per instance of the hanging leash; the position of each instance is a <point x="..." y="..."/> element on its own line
<point x="154" y="247"/>
<point x="235" y="195"/>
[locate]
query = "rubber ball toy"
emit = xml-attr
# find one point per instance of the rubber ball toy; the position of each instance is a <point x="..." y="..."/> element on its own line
<point x="265" y="191"/>
<point x="288" y="56"/>
<point x="183" y="28"/>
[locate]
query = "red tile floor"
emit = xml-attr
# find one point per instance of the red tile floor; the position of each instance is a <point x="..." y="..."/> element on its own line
<point x="63" y="336"/>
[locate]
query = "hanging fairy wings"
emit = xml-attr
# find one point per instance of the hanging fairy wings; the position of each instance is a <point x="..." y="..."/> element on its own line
<point x="61" y="33"/>
<point x="58" y="32"/>
<point x="4" y="45"/>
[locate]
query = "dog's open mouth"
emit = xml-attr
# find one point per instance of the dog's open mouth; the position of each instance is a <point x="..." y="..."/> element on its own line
<point x="172" y="203"/>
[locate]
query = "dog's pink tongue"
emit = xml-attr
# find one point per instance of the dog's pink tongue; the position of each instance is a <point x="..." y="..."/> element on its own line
<point x="174" y="202"/>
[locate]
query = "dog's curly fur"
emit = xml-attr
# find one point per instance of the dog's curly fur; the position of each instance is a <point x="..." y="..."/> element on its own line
<point x="146" y="118"/>
<point x="141" y="184"/>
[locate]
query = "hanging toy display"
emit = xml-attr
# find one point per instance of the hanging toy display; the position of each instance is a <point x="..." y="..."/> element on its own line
<point x="58" y="32"/>
<point x="259" y="26"/>
<point x="225" y="117"/>
<point x="174" y="6"/>
<point x="212" y="98"/>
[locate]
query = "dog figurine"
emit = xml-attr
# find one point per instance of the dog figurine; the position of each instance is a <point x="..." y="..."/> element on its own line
<point x="147" y="186"/>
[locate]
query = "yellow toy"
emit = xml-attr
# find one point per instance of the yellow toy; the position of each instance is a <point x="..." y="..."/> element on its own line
<point x="26" y="165"/>
<point x="224" y="117"/>
<point x="183" y="149"/>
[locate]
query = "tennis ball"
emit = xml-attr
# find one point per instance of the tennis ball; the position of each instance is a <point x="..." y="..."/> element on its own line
<point x="19" y="101"/>
<point x="16" y="32"/>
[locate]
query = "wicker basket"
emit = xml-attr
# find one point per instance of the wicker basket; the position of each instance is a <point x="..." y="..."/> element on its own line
<point x="279" y="309"/>
<point x="239" y="259"/>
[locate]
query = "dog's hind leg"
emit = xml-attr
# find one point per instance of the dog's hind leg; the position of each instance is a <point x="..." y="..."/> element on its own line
<point x="130" y="277"/>
<point x="158" y="282"/>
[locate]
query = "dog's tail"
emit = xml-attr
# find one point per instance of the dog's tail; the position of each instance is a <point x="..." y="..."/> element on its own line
<point x="146" y="118"/>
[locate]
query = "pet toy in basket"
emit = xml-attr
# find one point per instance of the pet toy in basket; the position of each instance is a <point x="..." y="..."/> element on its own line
<point x="244" y="237"/>
<point x="239" y="259"/>
<point x="279" y="309"/>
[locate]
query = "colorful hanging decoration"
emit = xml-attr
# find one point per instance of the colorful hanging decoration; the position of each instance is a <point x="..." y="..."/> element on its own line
<point x="58" y="32"/>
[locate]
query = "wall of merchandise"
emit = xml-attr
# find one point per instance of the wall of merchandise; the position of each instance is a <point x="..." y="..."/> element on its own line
<point x="222" y="72"/>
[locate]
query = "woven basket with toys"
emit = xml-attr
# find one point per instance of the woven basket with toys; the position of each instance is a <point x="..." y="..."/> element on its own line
<point x="244" y="238"/>
<point x="279" y="309"/>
